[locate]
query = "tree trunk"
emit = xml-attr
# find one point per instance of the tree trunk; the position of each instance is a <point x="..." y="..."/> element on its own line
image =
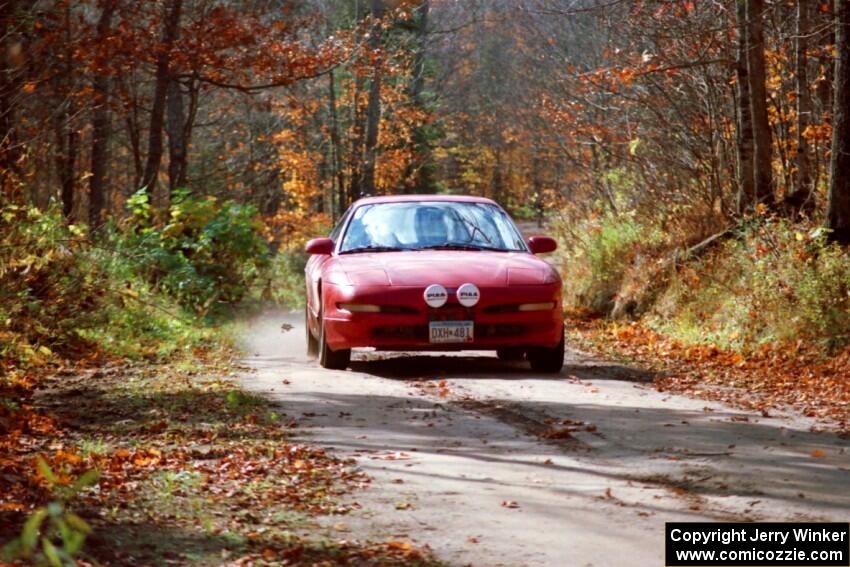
<point x="498" y="178"/>
<point x="598" y="172"/>
<point x="762" y="135"/>
<point x="67" y="136"/>
<point x="358" y="129"/>
<point x="799" y="195"/>
<point x="746" y="177"/>
<point x="419" y="57"/>
<point x="66" y="158"/>
<point x="373" y="114"/>
<point x="537" y="166"/>
<point x="176" y="128"/>
<point x="100" y="124"/>
<point x="417" y="174"/>
<point x="838" y="208"/>
<point x="9" y="151"/>
<point x="163" y="77"/>
<point x="127" y="83"/>
<point x="336" y="157"/>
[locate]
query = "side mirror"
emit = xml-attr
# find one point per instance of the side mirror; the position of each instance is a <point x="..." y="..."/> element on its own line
<point x="541" y="244"/>
<point x="320" y="246"/>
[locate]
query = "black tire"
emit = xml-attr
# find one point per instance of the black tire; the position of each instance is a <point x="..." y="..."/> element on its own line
<point x="329" y="358"/>
<point x="548" y="360"/>
<point x="511" y="354"/>
<point x="312" y="342"/>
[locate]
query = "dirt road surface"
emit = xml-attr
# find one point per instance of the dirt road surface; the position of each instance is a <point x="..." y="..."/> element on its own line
<point x="490" y="464"/>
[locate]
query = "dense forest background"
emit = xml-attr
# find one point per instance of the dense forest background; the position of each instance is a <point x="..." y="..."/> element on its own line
<point x="299" y="107"/>
<point x="206" y="139"/>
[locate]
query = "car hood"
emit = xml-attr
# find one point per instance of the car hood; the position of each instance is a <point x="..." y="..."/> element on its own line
<point x="449" y="268"/>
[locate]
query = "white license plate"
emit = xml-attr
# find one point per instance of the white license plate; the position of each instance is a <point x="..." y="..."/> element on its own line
<point x="450" y="331"/>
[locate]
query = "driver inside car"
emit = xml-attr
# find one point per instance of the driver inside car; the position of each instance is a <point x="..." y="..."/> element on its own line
<point x="431" y="226"/>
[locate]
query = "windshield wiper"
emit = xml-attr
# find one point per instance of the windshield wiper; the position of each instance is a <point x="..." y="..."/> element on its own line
<point x="462" y="246"/>
<point x="373" y="248"/>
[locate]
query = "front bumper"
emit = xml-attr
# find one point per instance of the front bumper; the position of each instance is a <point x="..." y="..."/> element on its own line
<point x="406" y="328"/>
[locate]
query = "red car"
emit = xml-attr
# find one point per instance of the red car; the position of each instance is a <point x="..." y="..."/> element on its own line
<point x="432" y="272"/>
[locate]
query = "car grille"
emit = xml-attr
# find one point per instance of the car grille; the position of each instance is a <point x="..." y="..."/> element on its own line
<point x="451" y="313"/>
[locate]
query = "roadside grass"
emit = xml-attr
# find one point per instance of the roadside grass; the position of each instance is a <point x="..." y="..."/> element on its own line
<point x="192" y="469"/>
<point x="765" y="282"/>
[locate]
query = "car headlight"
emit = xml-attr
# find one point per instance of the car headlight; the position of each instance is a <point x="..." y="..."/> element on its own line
<point x="546" y="306"/>
<point x="359" y="307"/>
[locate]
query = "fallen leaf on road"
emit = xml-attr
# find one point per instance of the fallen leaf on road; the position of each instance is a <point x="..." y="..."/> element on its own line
<point x="547" y="462"/>
<point x="472" y="539"/>
<point x="399" y="545"/>
<point x="560" y="433"/>
<point x="818" y="454"/>
<point x="510" y="504"/>
<point x="397" y="456"/>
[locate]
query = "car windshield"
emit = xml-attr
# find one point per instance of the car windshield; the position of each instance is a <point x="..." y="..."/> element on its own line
<point x="425" y="225"/>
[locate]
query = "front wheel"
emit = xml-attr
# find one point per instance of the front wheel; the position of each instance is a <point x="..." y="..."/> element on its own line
<point x="312" y="342"/>
<point x="329" y="358"/>
<point x="548" y="360"/>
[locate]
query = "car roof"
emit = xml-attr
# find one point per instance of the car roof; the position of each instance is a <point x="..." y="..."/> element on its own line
<point x="420" y="198"/>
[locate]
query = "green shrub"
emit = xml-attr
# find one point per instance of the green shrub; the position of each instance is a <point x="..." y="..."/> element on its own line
<point x="598" y="252"/>
<point x="209" y="252"/>
<point x="775" y="282"/>
<point x="46" y="293"/>
<point x="285" y="278"/>
<point x="63" y="294"/>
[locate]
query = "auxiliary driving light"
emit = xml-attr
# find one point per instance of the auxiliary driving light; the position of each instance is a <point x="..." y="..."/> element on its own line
<point x="435" y="295"/>
<point x="468" y="294"/>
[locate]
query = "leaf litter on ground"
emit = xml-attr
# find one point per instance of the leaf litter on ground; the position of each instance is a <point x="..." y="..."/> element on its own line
<point x="191" y="468"/>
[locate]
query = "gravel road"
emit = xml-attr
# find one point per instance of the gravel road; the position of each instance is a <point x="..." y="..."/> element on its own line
<point x="490" y="464"/>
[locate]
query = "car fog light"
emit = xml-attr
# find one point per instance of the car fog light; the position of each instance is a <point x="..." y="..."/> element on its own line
<point x="468" y="294"/>
<point x="536" y="306"/>
<point x="359" y="307"/>
<point x="435" y="295"/>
